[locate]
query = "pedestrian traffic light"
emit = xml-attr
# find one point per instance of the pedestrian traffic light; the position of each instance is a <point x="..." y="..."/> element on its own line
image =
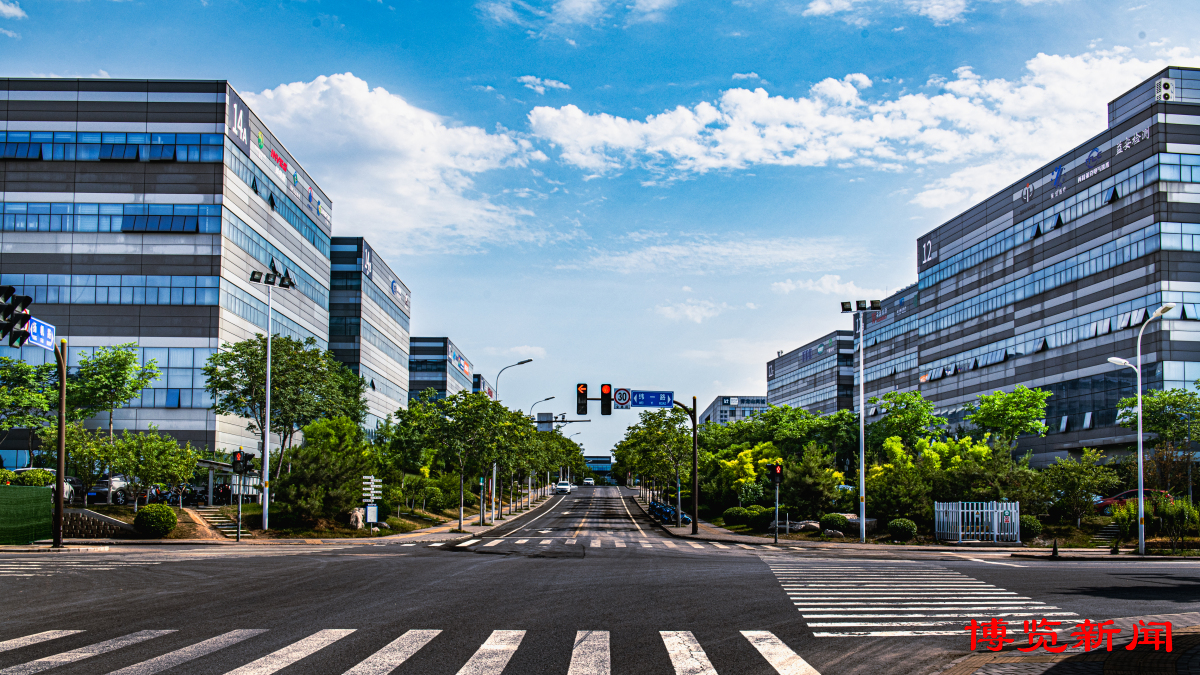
<point x="606" y="399"/>
<point x="777" y="473"/>
<point x="14" y="316"/>
<point x="239" y="462"/>
<point x="581" y="399"/>
<point x="248" y="463"/>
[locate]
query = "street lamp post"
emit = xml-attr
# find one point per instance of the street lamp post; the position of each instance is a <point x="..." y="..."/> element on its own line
<point x="548" y="398"/>
<point x="859" y="310"/>
<point x="1138" y="370"/>
<point x="270" y="280"/>
<point x="518" y="363"/>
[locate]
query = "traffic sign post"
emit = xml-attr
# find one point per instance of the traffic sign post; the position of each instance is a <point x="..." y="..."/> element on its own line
<point x="41" y="334"/>
<point x="621" y="399"/>
<point x="372" y="489"/>
<point x="652" y="399"/>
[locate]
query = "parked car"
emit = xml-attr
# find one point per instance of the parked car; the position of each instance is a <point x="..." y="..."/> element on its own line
<point x="99" y="492"/>
<point x="71" y="483"/>
<point x="562" y="488"/>
<point x="589" y="481"/>
<point x="1105" y="505"/>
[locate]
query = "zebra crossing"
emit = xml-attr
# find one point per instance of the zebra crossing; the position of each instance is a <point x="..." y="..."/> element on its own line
<point x="609" y="542"/>
<point x="865" y="599"/>
<point x="44" y="567"/>
<point x="590" y="653"/>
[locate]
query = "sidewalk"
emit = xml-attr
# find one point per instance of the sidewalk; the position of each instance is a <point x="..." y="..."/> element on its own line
<point x="430" y="534"/>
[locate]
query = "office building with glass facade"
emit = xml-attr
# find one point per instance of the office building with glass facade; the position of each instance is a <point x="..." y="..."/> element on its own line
<point x="481" y="386"/>
<point x="435" y="363"/>
<point x="726" y="409"/>
<point x="369" y="311"/>
<point x="817" y="377"/>
<point x="891" y="349"/>
<point x="1044" y="281"/>
<point x="134" y="212"/>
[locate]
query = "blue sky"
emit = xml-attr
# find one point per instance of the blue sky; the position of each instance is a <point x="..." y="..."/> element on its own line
<point x="659" y="194"/>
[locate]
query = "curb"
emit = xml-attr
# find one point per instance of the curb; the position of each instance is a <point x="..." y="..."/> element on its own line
<point x="1127" y="557"/>
<point x="51" y="549"/>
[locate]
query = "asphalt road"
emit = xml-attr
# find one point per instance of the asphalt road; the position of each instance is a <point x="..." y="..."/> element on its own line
<point x="585" y="584"/>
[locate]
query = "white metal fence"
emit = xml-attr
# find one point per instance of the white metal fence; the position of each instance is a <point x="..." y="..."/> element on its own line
<point x="977" y="521"/>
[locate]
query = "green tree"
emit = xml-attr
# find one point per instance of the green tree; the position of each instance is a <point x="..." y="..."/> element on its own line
<point x="1078" y="481"/>
<point x="1179" y="516"/>
<point x="148" y="458"/>
<point x="25" y="396"/>
<point x="467" y="432"/>
<point x="327" y="470"/>
<point x="908" y="416"/>
<point x="307" y="384"/>
<point x="1008" y="415"/>
<point x="810" y="484"/>
<point x="88" y="452"/>
<point x="1173" y="415"/>
<point x="664" y="438"/>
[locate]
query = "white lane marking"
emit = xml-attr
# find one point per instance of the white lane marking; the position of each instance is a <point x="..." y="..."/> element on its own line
<point x="695" y="545"/>
<point x="686" y="654"/>
<point x="494" y="654"/>
<point x="718" y="545"/>
<point x="278" y="660"/>
<point x="780" y="656"/>
<point x="930" y="616"/>
<point x="748" y="548"/>
<point x="437" y="544"/>
<point x="861" y="624"/>
<point x="469" y="542"/>
<point x="394" y="653"/>
<point x="620" y="544"/>
<point x="988" y="562"/>
<point x="595" y="543"/>
<point x="646" y="544"/>
<point x="522" y="541"/>
<point x="532" y="521"/>
<point x="181" y="656"/>
<point x="543" y="542"/>
<point x="590" y="655"/>
<point x="408" y="544"/>
<point x="570" y="542"/>
<point x="627" y="513"/>
<point x="670" y="543"/>
<point x="492" y="543"/>
<point x="770" y="547"/>
<point x="17" y="643"/>
<point x="889" y="633"/>
<point x="82" y="653"/>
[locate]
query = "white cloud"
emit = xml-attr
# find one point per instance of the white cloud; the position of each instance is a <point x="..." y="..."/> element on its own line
<point x="745" y="76"/>
<point x="562" y="14"/>
<point x="687" y="289"/>
<point x="827" y="284"/>
<point x="991" y="130"/>
<point x="539" y="85"/>
<point x="856" y="12"/>
<point x="712" y="256"/>
<point x="11" y="9"/>
<point x="10" y="33"/>
<point x="401" y="175"/>
<point x="691" y="310"/>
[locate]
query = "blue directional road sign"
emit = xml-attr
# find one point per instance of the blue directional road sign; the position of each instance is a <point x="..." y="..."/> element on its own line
<point x="652" y="399"/>
<point x="41" y="334"/>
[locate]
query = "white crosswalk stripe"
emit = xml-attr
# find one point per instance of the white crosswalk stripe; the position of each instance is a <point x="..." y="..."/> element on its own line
<point x="687" y="656"/>
<point x="82" y="653"/>
<point x="17" y="643"/>
<point x="292" y="653"/>
<point x="396" y="652"/>
<point x="494" y="654"/>
<point x="590" y="655"/>
<point x="896" y="600"/>
<point x="780" y="656"/>
<point x="179" y="656"/>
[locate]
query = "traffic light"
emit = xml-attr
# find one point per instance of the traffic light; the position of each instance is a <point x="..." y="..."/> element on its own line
<point x="606" y="399"/>
<point x="14" y="316"/>
<point x="581" y="399"/>
<point x="239" y="462"/>
<point x="248" y="463"/>
<point x="777" y="473"/>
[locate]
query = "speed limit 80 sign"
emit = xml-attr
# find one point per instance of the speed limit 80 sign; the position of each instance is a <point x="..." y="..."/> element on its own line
<point x="621" y="399"/>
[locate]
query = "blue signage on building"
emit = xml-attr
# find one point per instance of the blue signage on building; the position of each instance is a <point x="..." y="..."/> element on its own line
<point x="41" y="334"/>
<point x="652" y="399"/>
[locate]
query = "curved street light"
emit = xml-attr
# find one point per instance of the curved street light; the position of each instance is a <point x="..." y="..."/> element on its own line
<point x="1117" y="361"/>
<point x="535" y="404"/>
<point x="518" y="363"/>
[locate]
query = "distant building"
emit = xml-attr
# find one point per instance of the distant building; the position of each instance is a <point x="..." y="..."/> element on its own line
<point x="369" y="311"/>
<point x="601" y="465"/>
<point x="818" y="377"/>
<point x="725" y="409"/>
<point x="481" y="386"/>
<point x="435" y="363"/>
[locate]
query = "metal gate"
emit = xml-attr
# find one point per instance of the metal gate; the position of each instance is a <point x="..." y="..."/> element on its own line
<point x="977" y="521"/>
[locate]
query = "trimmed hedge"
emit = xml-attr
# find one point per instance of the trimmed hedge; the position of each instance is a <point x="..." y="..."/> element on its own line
<point x="35" y="478"/>
<point x="7" y="477"/>
<point x="835" y="521"/>
<point x="902" y="529"/>
<point x="736" y="515"/>
<point x="155" y="520"/>
<point x="1031" y="527"/>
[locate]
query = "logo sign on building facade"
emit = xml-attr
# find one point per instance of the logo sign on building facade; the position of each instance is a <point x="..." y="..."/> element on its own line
<point x="463" y="365"/>
<point x="621" y="398"/>
<point x="652" y="399"/>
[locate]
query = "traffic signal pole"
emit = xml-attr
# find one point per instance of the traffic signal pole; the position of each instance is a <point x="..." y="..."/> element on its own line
<point x="60" y="355"/>
<point x="695" y="466"/>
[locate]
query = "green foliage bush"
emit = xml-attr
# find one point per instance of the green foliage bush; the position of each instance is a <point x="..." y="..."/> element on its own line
<point x="35" y="478"/>
<point x="155" y="520"/>
<point x="762" y="519"/>
<point x="434" y="499"/>
<point x="902" y="529"/>
<point x="1124" y="516"/>
<point x="1031" y="527"/>
<point x="325" y="480"/>
<point x="835" y="521"/>
<point x="736" y="515"/>
<point x="7" y="477"/>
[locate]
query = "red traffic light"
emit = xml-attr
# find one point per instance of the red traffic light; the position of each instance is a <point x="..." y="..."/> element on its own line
<point x="606" y="389"/>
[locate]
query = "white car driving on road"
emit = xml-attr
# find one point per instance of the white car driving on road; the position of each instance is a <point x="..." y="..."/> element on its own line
<point x="589" y="481"/>
<point x="563" y="487"/>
